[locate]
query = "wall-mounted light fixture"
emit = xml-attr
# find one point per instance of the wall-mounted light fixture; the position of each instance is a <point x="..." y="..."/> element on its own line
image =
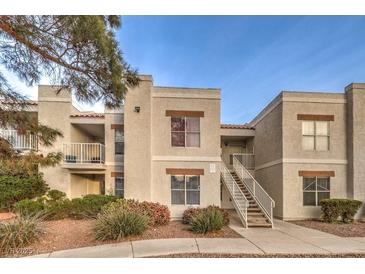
<point x="137" y="109"/>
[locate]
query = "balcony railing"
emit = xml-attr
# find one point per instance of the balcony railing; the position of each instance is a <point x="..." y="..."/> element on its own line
<point x="246" y="159"/>
<point x="19" y="141"/>
<point x="83" y="153"/>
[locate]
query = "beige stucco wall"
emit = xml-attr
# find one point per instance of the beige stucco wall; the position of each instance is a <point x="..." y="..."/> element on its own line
<point x="355" y="145"/>
<point x="271" y="179"/>
<point x="137" y="135"/>
<point x="206" y="156"/>
<point x="292" y="127"/>
<point x="295" y="158"/>
<point x="268" y="147"/>
<point x="293" y="189"/>
<point x="161" y="185"/>
<point x="279" y="154"/>
<point x="148" y="150"/>
<point x="54" y="111"/>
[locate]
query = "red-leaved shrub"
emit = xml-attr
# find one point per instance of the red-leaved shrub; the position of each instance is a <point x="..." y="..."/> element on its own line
<point x="189" y="214"/>
<point x="158" y="214"/>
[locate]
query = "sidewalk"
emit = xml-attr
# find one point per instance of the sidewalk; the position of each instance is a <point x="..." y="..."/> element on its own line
<point x="285" y="238"/>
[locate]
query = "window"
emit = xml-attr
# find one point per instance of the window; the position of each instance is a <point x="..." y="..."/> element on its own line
<point x="119" y="187"/>
<point x="315" y="189"/>
<point x="185" y="190"/>
<point x="231" y="159"/>
<point x="315" y="135"/>
<point x="119" y="141"/>
<point x="185" y="131"/>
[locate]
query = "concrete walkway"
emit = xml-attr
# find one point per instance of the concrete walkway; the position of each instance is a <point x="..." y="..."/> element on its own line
<point x="290" y="238"/>
<point x="285" y="238"/>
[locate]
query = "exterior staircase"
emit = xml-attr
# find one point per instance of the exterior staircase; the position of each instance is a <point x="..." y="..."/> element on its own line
<point x="255" y="216"/>
<point x="252" y="203"/>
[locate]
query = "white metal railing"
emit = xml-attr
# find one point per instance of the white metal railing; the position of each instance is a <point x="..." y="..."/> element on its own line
<point x="240" y="201"/>
<point x="246" y="159"/>
<point x="262" y="198"/>
<point x="84" y="153"/>
<point x="27" y="141"/>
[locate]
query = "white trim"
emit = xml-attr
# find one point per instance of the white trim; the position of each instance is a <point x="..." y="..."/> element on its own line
<point x="53" y="99"/>
<point x="266" y="111"/>
<point x="302" y="161"/>
<point x="160" y="158"/>
<point x="284" y="98"/>
<point x="186" y="96"/>
<point x="315" y="100"/>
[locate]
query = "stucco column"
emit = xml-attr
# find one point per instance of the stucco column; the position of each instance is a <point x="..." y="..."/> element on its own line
<point x="356" y="142"/>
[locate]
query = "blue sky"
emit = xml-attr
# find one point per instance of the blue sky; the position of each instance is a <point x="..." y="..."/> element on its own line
<point x="251" y="58"/>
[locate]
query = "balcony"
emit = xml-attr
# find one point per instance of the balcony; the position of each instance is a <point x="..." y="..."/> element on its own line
<point x="19" y="141"/>
<point x="83" y="155"/>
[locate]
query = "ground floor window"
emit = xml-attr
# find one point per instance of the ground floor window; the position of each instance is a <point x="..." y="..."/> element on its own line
<point x="185" y="190"/>
<point x="315" y="189"/>
<point x="119" y="187"/>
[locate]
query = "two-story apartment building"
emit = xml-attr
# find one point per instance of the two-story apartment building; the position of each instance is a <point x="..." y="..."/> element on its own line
<point x="167" y="145"/>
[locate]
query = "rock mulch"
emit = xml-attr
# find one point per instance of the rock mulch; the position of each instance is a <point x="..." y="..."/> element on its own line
<point x="67" y="234"/>
<point x="6" y="216"/>
<point x="356" y="229"/>
<point x="228" y="255"/>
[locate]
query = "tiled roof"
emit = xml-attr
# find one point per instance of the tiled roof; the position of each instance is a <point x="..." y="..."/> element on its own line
<point x="89" y="115"/>
<point x="235" y="126"/>
<point x="32" y="103"/>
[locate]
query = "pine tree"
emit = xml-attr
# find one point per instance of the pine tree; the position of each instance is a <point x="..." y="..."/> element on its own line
<point x="79" y="52"/>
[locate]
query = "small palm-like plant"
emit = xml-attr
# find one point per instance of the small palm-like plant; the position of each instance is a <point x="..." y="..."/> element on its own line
<point x="117" y="224"/>
<point x="207" y="220"/>
<point x="18" y="233"/>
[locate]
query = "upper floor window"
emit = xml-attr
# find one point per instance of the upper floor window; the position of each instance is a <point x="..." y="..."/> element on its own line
<point x="185" y="131"/>
<point x="315" y="189"/>
<point x="119" y="141"/>
<point x="316" y="135"/>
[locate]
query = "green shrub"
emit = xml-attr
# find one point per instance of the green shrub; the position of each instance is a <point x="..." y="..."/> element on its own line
<point x="208" y="220"/>
<point x="349" y="209"/>
<point x="14" y="189"/>
<point x="28" y="207"/>
<point x="57" y="210"/>
<point x="89" y="206"/>
<point x="223" y="211"/>
<point x="332" y="209"/>
<point x="156" y="213"/>
<point x="194" y="211"/>
<point x="116" y="224"/>
<point x="56" y="195"/>
<point x="18" y="233"/>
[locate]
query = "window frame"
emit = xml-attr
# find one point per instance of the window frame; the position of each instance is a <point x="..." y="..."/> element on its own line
<point x="115" y="186"/>
<point x="185" y="190"/>
<point x="316" y="191"/>
<point x="118" y="142"/>
<point x="315" y="135"/>
<point x="186" y="132"/>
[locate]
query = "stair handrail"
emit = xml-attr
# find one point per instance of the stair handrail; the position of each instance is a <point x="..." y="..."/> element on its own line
<point x="262" y="198"/>
<point x="240" y="201"/>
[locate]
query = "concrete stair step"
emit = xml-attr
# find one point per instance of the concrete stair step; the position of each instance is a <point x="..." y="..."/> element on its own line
<point x="256" y="214"/>
<point x="259" y="225"/>
<point x="253" y="209"/>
